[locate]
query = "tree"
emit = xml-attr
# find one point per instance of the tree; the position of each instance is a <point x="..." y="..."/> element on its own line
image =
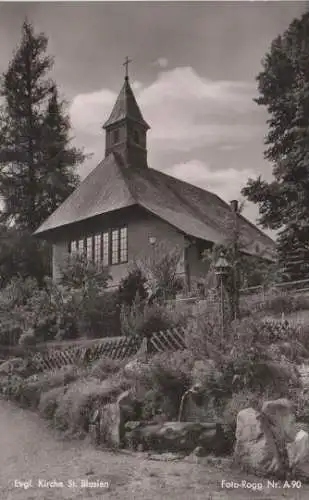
<point x="284" y="202"/>
<point x="22" y="255"/>
<point x="58" y="159"/>
<point x="131" y="286"/>
<point x="36" y="162"/>
<point x="244" y="269"/>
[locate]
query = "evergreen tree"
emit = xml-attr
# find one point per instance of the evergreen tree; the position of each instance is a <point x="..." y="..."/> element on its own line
<point x="36" y="165"/>
<point x="58" y="177"/>
<point x="284" y="203"/>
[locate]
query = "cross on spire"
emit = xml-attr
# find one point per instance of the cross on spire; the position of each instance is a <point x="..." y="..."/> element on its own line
<point x="126" y="64"/>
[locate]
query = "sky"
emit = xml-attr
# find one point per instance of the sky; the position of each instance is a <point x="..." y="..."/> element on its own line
<point x="193" y="71"/>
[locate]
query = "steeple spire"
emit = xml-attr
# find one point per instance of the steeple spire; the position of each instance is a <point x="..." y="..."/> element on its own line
<point x="126" y="64"/>
<point x="126" y="128"/>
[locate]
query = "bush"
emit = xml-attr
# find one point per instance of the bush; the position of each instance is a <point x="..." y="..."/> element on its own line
<point x="82" y="397"/>
<point x="163" y="382"/>
<point x="144" y="320"/>
<point x="105" y="367"/>
<point x="131" y="287"/>
<point x="286" y="303"/>
<point x="100" y="316"/>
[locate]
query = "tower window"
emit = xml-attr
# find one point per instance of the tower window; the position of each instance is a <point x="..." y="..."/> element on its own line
<point x="136" y="137"/>
<point x="115" y="136"/>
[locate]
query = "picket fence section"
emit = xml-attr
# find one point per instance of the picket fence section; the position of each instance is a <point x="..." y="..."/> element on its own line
<point x="117" y="348"/>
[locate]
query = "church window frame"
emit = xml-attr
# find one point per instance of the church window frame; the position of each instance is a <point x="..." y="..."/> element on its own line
<point x="109" y="247"/>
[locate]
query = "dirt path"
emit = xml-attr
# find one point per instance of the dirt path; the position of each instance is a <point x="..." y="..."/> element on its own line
<point x="30" y="451"/>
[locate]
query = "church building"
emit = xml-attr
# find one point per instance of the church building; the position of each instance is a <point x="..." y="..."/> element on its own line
<point x="124" y="208"/>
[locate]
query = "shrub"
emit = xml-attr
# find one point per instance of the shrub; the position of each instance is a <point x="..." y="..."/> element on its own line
<point x="163" y="382"/>
<point x="82" y="397"/>
<point x="131" y="286"/>
<point x="78" y="273"/>
<point x="105" y="367"/>
<point x="99" y="315"/>
<point x="146" y="319"/>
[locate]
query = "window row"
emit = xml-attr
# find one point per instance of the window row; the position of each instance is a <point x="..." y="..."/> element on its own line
<point x="110" y="247"/>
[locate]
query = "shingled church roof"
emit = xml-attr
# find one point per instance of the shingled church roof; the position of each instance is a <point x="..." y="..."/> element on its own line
<point x="192" y="210"/>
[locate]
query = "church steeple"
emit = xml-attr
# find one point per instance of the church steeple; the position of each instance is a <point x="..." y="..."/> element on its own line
<point x="126" y="129"/>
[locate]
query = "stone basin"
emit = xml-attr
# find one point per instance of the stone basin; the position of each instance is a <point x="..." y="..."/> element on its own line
<point x="177" y="437"/>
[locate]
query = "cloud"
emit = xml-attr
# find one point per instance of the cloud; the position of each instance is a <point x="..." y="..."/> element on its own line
<point x="136" y="85"/>
<point x="225" y="183"/>
<point x="162" y="62"/>
<point x="184" y="110"/>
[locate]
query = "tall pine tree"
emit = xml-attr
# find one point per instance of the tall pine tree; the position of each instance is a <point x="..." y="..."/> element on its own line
<point x="37" y="164"/>
<point x="58" y="177"/>
<point x="284" y="203"/>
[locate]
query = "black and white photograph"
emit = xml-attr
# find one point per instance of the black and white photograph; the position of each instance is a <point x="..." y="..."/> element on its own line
<point x="154" y="250"/>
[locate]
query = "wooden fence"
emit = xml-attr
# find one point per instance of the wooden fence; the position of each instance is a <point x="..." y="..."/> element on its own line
<point x="53" y="356"/>
<point x="118" y="348"/>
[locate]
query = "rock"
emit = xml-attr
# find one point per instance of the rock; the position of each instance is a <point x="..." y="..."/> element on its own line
<point x="255" y="449"/>
<point x="281" y="418"/>
<point x="11" y="365"/>
<point x="113" y="417"/>
<point x="135" y="368"/>
<point x="178" y="437"/>
<point x="197" y="406"/>
<point x="109" y="425"/>
<point x="298" y="450"/>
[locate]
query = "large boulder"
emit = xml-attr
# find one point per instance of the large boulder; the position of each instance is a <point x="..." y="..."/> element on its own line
<point x="298" y="450"/>
<point x="255" y="449"/>
<point x="177" y="437"/>
<point x="112" y="418"/>
<point x="282" y="423"/>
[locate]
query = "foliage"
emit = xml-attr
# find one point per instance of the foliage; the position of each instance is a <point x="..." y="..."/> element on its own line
<point x="79" y="273"/>
<point x="163" y="382"/>
<point x="131" y="286"/>
<point x="104" y="368"/>
<point x="37" y="163"/>
<point x="22" y="255"/>
<point x="81" y="399"/>
<point x="99" y="316"/>
<point x="283" y="203"/>
<point x="162" y="272"/>
<point x="286" y="303"/>
<point x="242" y="269"/>
<point x="145" y="319"/>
